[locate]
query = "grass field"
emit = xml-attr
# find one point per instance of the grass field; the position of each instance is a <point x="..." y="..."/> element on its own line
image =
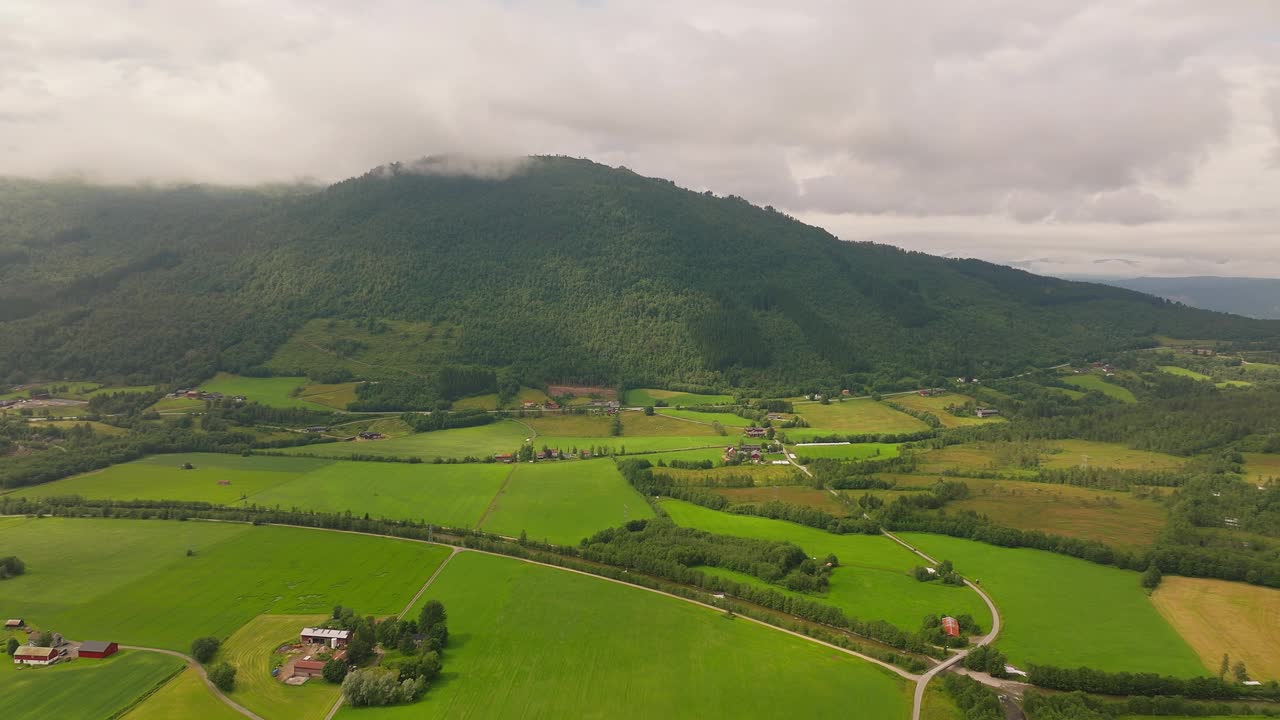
<point x="1061" y="611"/>
<point x="533" y="642"/>
<point x="1183" y="372"/>
<point x="249" y="651"/>
<point x="1118" y="519"/>
<point x="336" y="396"/>
<point x="726" y="419"/>
<point x="852" y="417"/>
<point x="1261" y="467"/>
<point x="762" y="475"/>
<point x="179" y="405"/>
<point x="714" y="454"/>
<point x="564" y="502"/>
<point x="872" y="581"/>
<point x="938" y="705"/>
<point x="651" y="396"/>
<point x="1230" y="384"/>
<point x="636" y="424"/>
<point x="1056" y="454"/>
<point x="387" y="349"/>
<point x="634" y="445"/>
<point x="1216" y="617"/>
<point x="792" y="494"/>
<point x="124" y="579"/>
<point x="185" y="696"/>
<point x="485" y="440"/>
<point x="937" y="405"/>
<point x="273" y="391"/>
<point x="82" y="689"/>
<point x="490" y="401"/>
<point x="1260" y="367"/>
<point x="1096" y="383"/>
<point x="852" y="451"/>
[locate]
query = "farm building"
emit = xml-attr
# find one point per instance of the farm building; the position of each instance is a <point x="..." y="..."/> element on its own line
<point x="986" y="412"/>
<point x="504" y="458"/>
<point x="97" y="649"/>
<point x="755" y="432"/>
<point x="550" y="405"/>
<point x="308" y="668"/>
<point x="370" y="435"/>
<point x="14" y="624"/>
<point x="32" y="655"/>
<point x="951" y="627"/>
<point x="324" y="636"/>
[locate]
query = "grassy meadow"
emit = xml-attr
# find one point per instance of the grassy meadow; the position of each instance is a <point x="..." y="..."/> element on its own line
<point x="1054" y="454"/>
<point x="1182" y="372"/>
<point x="872" y="582"/>
<point x="273" y="391"/>
<point x="336" y="396"/>
<point x="388" y="349"/>
<point x="851" y="417"/>
<point x="937" y="406"/>
<point x="490" y="400"/>
<point x="651" y="396"/>
<point x="1216" y="617"/>
<point x="183" y="696"/>
<point x="83" y="689"/>
<point x="727" y="419"/>
<point x="533" y="642"/>
<point x="851" y="451"/>
<point x="792" y="494"/>
<point x="1261" y="467"/>
<point x="1095" y="383"/>
<point x="1061" y="611"/>
<point x="482" y="441"/>
<point x="133" y="581"/>
<point x="563" y="502"/>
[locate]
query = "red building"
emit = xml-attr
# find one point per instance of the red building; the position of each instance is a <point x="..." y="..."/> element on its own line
<point x="951" y="627"/>
<point x="29" y="655"/>
<point x="308" y="668"/>
<point x="97" y="649"/>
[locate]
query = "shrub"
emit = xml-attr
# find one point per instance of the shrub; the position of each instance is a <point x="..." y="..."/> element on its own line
<point x="335" y="671"/>
<point x="223" y="677"/>
<point x="203" y="649"/>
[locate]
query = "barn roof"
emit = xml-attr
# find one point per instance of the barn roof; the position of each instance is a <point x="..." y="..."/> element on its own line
<point x="326" y="632"/>
<point x="308" y="665"/>
<point x="94" y="646"/>
<point x="35" y="651"/>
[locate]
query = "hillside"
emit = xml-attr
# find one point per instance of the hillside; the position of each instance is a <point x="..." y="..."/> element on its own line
<point x="567" y="270"/>
<point x="1250" y="297"/>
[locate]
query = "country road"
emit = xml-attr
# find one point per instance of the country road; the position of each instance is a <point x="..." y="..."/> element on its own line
<point x="191" y="663"/>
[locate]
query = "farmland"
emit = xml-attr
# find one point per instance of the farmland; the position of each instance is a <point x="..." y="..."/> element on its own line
<point x="83" y="689"/>
<point x="793" y="494"/>
<point x="481" y="441"/>
<point x="937" y="406"/>
<point x="850" y="451"/>
<point x="1183" y="372"/>
<point x="564" y="502"/>
<point x="872" y="582"/>
<point x="490" y="401"/>
<point x="1058" y="610"/>
<point x="336" y="396"/>
<point x="651" y="396"/>
<point x="274" y="391"/>
<point x="122" y="578"/>
<point x="727" y="419"/>
<point x="249" y="651"/>
<point x="1095" y="383"/>
<point x="1057" y="454"/>
<point x="183" y="696"/>
<point x="852" y="417"/>
<point x="606" y="650"/>
<point x="1219" y="617"/>
<point x="1260" y="467"/>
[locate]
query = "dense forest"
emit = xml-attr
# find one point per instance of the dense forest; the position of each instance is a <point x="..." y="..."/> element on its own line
<point x="565" y="271"/>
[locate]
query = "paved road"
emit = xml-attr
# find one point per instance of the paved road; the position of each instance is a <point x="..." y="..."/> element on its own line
<point x="191" y="663"/>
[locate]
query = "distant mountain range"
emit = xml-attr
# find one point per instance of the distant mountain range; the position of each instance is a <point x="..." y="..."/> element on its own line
<point x="1250" y="297"/>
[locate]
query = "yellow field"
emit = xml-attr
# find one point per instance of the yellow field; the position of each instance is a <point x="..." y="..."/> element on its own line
<point x="1216" y="617"/>
<point x="1115" y="518"/>
<point x="854" y="417"/>
<point x="336" y="396"/>
<point x="637" y="424"/>
<point x="1259" y="467"/>
<point x="937" y="405"/>
<point x="1110" y="455"/>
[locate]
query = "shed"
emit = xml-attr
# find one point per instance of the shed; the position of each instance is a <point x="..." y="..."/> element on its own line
<point x="32" y="655"/>
<point x="14" y="624"/>
<point x="97" y="649"/>
<point x="951" y="627"/>
<point x="324" y="636"/>
<point x="308" y="668"/>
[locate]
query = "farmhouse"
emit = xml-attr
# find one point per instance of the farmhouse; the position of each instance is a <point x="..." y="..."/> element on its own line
<point x="97" y="649"/>
<point x="986" y="412"/>
<point x="31" y="655"/>
<point x="370" y="435"/>
<point x="318" y="429"/>
<point x="324" y="636"/>
<point x="550" y="405"/>
<point x="504" y="458"/>
<point x="14" y="624"/>
<point x="931" y="392"/>
<point x="951" y="627"/>
<point x="755" y="432"/>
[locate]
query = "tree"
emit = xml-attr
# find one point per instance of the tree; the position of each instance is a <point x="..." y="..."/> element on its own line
<point x="1239" y="671"/>
<point x="44" y="639"/>
<point x="335" y="670"/>
<point x="648" y="410"/>
<point x="407" y="644"/>
<point x="1151" y="577"/>
<point x="12" y="646"/>
<point x="11" y="566"/>
<point x="432" y="612"/>
<point x="360" y="647"/>
<point x="223" y="677"/>
<point x="1224" y="667"/>
<point x="375" y="686"/>
<point x="203" y="649"/>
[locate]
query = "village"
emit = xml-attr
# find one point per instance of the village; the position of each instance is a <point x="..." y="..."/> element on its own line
<point x="49" y="648"/>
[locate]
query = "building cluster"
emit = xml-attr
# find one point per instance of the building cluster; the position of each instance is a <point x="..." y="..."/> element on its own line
<point x="198" y="394"/>
<point x="58" y="649"/>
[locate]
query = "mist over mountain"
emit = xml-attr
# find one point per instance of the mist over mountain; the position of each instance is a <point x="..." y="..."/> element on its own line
<point x="1250" y="297"/>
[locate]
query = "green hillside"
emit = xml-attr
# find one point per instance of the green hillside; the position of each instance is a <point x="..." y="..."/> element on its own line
<point x="568" y="271"/>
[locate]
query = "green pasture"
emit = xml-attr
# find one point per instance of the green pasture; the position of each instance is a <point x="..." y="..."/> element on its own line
<point x="273" y="391"/>
<point x="490" y="400"/>
<point x="336" y="396"/>
<point x="651" y="396"/>
<point x="634" y="445"/>
<point x="1261" y="467"/>
<point x="1183" y="372"/>
<point x="727" y="419"/>
<point x="1097" y="384"/>
<point x="1257" y="367"/>
<point x="249" y="650"/>
<point x="177" y="405"/>
<point x="483" y="441"/>
<point x="872" y="581"/>
<point x="390" y="349"/>
<point x="637" y="424"/>
<point x="185" y="696"/>
<point x="852" y="417"/>
<point x="85" y="689"/>
<point x="533" y="642"/>
<point x="937" y="406"/>
<point x="134" y="582"/>
<point x="714" y="454"/>
<point x="851" y="451"/>
<point x="1059" y="610"/>
<point x="563" y="502"/>
<point x="1229" y="384"/>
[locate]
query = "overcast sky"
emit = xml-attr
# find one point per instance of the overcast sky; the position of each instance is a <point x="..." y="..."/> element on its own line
<point x="1119" y="137"/>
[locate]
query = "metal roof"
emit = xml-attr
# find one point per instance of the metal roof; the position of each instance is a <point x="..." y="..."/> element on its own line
<point x="326" y="632"/>
<point x="94" y="646"/>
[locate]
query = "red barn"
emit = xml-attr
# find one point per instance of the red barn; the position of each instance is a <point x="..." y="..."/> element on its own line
<point x="308" y="668"/>
<point x="951" y="627"/>
<point x="30" y="655"/>
<point x="97" y="649"/>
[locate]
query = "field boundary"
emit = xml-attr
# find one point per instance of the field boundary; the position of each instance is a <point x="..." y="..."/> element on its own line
<point x="191" y="663"/>
<point x="494" y="501"/>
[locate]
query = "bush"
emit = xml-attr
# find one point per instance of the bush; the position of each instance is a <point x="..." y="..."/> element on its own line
<point x="335" y="671"/>
<point x="203" y="649"/>
<point x="11" y="566"/>
<point x="223" y="677"/>
<point x="370" y="687"/>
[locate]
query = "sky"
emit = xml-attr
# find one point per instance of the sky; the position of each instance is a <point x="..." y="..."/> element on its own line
<point x="1068" y="137"/>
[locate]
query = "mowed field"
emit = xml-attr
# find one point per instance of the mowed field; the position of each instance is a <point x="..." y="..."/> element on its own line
<point x="1053" y="454"/>
<point x="132" y="580"/>
<point x="82" y="689"/>
<point x="534" y="642"/>
<point x="485" y="440"/>
<point x="1218" y="617"/>
<point x="872" y="582"/>
<point x="651" y="396"/>
<point x="563" y="502"/>
<point x="727" y="419"/>
<point x="1118" y="519"/>
<point x="1261" y="467"/>
<point x="1183" y="372"/>
<point x="1096" y="383"/>
<point x="249" y="650"/>
<point x="1061" y="611"/>
<point x="937" y="406"/>
<point x="792" y="494"/>
<point x="273" y="391"/>
<point x="850" y="451"/>
<point x="185" y="696"/>
<point x="851" y="417"/>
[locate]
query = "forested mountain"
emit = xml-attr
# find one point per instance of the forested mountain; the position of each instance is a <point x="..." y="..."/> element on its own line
<point x="1250" y="297"/>
<point x="565" y="270"/>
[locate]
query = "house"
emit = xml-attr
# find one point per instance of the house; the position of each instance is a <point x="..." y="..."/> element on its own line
<point x="318" y="428"/>
<point x="775" y="416"/>
<point x="548" y="405"/>
<point x="308" y="668"/>
<point x="749" y="448"/>
<point x="986" y="412"/>
<point x="845" y="392"/>
<point x="370" y="435"/>
<point x="32" y="655"/>
<point x="224" y="482"/>
<point x="14" y="624"/>
<point x="528" y="405"/>
<point x="193" y="394"/>
<point x="97" y="649"/>
<point x="755" y="432"/>
<point x="324" y="636"/>
<point x="951" y="627"/>
<point x="755" y="456"/>
<point x="7" y="403"/>
<point x="504" y="458"/>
